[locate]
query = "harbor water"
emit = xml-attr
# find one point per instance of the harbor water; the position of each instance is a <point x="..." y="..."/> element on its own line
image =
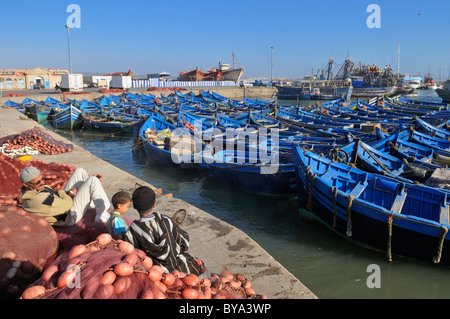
<point x="329" y="265"/>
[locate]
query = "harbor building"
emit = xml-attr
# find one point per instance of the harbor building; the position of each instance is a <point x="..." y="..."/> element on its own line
<point x="17" y="79"/>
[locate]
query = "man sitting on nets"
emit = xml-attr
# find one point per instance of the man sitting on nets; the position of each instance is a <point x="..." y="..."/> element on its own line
<point x="161" y="239"/>
<point x="63" y="207"/>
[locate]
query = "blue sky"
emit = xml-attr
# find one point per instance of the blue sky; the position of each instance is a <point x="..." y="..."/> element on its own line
<point x="172" y="35"/>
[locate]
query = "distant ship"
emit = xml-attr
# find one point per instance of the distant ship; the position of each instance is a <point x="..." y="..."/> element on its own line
<point x="444" y="93"/>
<point x="223" y="73"/>
<point x="428" y="83"/>
<point x="370" y="80"/>
<point x="192" y="75"/>
<point x="230" y="74"/>
<point x="318" y="87"/>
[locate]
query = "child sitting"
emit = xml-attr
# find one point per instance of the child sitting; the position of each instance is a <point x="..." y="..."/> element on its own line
<point x="161" y="239"/>
<point x="116" y="224"/>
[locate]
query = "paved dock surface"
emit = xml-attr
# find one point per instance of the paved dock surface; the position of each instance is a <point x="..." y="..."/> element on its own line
<point x="217" y="243"/>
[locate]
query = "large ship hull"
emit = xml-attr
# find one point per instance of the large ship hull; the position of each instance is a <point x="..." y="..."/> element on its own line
<point x="296" y="92"/>
<point x="372" y="91"/>
<point x="444" y="95"/>
<point x="232" y="75"/>
<point x="193" y="75"/>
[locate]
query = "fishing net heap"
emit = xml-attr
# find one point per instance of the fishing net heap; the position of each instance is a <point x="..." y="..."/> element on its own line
<point x="14" y="94"/>
<point x="32" y="142"/>
<point x="84" y="231"/>
<point x="112" y="91"/>
<point x="27" y="244"/>
<point x="110" y="269"/>
<point x="55" y="175"/>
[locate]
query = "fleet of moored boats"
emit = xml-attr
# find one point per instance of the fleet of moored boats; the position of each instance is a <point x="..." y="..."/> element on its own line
<point x="374" y="172"/>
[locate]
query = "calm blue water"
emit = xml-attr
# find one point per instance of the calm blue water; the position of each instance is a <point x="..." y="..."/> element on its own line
<point x="326" y="263"/>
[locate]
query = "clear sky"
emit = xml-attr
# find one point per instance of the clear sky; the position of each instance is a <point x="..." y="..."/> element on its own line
<point x="172" y="35"/>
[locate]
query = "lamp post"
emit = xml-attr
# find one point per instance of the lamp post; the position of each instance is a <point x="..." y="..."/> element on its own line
<point x="68" y="44"/>
<point x="271" y="63"/>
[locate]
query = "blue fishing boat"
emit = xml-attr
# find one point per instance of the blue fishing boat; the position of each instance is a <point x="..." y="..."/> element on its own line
<point x="398" y="145"/>
<point x="374" y="211"/>
<point x="66" y="117"/>
<point x="170" y="146"/>
<point x="431" y="129"/>
<point x="422" y="104"/>
<point x="377" y="160"/>
<point x="108" y="124"/>
<point x="251" y="172"/>
<point x="18" y="106"/>
<point x="38" y="111"/>
<point x="430" y="141"/>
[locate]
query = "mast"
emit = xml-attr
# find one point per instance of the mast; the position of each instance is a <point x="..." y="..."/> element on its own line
<point x="398" y="61"/>
<point x="330" y="69"/>
<point x="232" y="53"/>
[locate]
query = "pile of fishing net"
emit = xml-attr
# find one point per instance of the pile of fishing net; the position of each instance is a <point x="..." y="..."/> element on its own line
<point x="55" y="175"/>
<point x="110" y="269"/>
<point x="112" y="91"/>
<point x="27" y="245"/>
<point x="84" y="231"/>
<point x="32" y="142"/>
<point x="440" y="179"/>
<point x="13" y="94"/>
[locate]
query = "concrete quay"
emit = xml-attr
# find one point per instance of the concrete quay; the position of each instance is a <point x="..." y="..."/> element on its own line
<point x="217" y="243"/>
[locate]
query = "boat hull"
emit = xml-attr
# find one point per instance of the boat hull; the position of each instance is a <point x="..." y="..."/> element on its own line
<point x="159" y="153"/>
<point x="372" y="225"/>
<point x="373" y="233"/>
<point x="326" y="93"/>
<point x="69" y="118"/>
<point x="373" y="91"/>
<point x="232" y="75"/>
<point x="107" y="126"/>
<point x="444" y="95"/>
<point x="250" y="179"/>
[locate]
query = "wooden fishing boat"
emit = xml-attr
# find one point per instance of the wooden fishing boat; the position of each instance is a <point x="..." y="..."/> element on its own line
<point x="430" y="141"/>
<point x="398" y="145"/>
<point x="18" y="106"/>
<point x="170" y="146"/>
<point x="377" y="159"/>
<point x="431" y="129"/>
<point x="421" y="104"/>
<point x="108" y="124"/>
<point x="38" y="111"/>
<point x="374" y="211"/>
<point x="251" y="172"/>
<point x="66" y="117"/>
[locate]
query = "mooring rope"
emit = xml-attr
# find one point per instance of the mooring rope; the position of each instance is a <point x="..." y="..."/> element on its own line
<point x="334" y="194"/>
<point x="310" y="177"/>
<point x="349" y="215"/>
<point x="389" y="242"/>
<point x="442" y="234"/>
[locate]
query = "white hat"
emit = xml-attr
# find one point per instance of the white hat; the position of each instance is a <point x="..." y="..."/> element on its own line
<point x="28" y="174"/>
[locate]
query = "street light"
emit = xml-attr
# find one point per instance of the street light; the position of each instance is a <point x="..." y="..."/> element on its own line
<point x="68" y="43"/>
<point x="271" y="63"/>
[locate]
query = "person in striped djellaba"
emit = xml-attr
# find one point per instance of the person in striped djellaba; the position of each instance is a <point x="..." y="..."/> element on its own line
<point x="160" y="238"/>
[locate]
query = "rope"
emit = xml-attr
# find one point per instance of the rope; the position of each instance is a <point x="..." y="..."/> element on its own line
<point x="177" y="220"/>
<point x="334" y="193"/>
<point x="310" y="177"/>
<point x="349" y="215"/>
<point x="442" y="234"/>
<point x="389" y="246"/>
